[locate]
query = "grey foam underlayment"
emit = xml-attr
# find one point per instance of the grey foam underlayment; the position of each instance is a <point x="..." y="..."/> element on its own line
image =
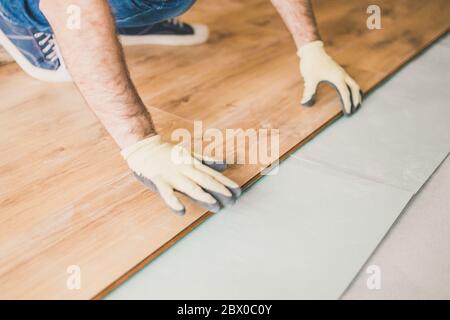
<point x="306" y="231"/>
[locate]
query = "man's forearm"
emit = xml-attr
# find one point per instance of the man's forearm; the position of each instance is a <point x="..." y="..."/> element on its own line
<point x="95" y="61"/>
<point x="299" y="17"/>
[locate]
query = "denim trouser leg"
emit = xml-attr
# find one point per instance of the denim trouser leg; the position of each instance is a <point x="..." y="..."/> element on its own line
<point x="127" y="13"/>
<point x="135" y="13"/>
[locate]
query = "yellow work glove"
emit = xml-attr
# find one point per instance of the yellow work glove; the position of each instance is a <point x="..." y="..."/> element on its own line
<point x="316" y="66"/>
<point x="167" y="168"/>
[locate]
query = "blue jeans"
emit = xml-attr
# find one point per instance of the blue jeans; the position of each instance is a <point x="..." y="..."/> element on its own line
<point x="127" y="13"/>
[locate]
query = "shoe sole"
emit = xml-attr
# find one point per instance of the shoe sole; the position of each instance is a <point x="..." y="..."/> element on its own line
<point x="38" y="73"/>
<point x="201" y="34"/>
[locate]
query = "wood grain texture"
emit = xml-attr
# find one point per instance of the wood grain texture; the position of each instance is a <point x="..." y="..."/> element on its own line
<point x="66" y="196"/>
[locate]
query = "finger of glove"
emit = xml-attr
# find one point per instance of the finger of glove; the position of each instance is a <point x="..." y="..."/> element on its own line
<point x="230" y="184"/>
<point x="168" y="195"/>
<point x="184" y="185"/>
<point x="309" y="92"/>
<point x="165" y="191"/>
<point x="344" y="93"/>
<point x="356" y="92"/>
<point x="211" y="185"/>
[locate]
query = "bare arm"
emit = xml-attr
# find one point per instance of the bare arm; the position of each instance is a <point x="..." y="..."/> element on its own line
<point x="298" y="16"/>
<point x="95" y="61"/>
<point x="316" y="66"/>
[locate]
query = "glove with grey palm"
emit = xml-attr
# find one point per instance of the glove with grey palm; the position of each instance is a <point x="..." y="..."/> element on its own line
<point x="316" y="66"/>
<point x="167" y="168"/>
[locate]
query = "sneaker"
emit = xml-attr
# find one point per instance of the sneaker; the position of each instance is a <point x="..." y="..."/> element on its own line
<point x="38" y="55"/>
<point x="35" y="52"/>
<point x="170" y="32"/>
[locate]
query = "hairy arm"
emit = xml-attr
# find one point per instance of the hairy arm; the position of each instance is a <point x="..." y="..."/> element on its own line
<point x="94" y="58"/>
<point x="316" y="66"/>
<point x="299" y="18"/>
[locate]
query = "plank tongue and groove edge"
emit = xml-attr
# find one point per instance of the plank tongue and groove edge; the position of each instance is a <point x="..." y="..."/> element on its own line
<point x="68" y="199"/>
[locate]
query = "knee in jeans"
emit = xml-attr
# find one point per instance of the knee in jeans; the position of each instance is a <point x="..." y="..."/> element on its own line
<point x="181" y="6"/>
<point x="178" y="7"/>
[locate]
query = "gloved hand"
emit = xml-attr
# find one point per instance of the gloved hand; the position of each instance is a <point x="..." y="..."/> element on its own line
<point x="167" y="168"/>
<point x="317" y="66"/>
